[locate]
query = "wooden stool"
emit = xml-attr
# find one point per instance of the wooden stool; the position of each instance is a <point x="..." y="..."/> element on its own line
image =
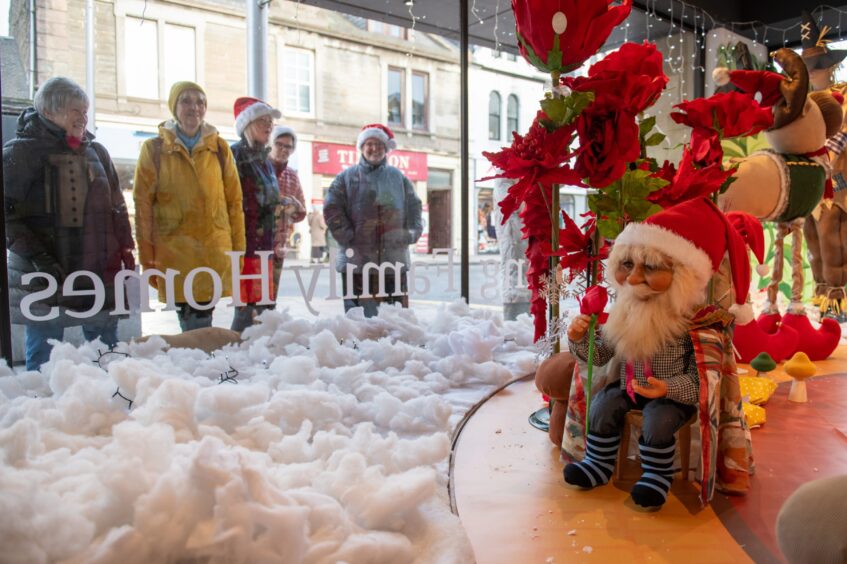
<point x="635" y="419"/>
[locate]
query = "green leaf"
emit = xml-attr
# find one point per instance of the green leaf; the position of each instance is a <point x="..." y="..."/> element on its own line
<point x="646" y="125"/>
<point x="608" y="228"/>
<point x="785" y="288"/>
<point x="654" y="139"/>
<point x="554" y="56"/>
<point x="534" y="59"/>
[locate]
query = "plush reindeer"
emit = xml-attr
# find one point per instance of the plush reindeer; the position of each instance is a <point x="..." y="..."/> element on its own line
<point x="785" y="184"/>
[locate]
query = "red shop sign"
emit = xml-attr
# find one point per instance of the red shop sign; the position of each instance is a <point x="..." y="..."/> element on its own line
<point x="332" y="158"/>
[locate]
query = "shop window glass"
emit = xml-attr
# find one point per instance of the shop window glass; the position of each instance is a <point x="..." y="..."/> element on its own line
<point x="297" y="77"/>
<point x="179" y="39"/>
<point x="494" y="110"/>
<point x="396" y="78"/>
<point x="512" y="112"/>
<point x="420" y="100"/>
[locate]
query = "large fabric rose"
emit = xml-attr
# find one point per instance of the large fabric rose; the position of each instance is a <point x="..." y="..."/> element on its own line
<point x="625" y="83"/>
<point x="559" y="35"/>
<point x="724" y="115"/>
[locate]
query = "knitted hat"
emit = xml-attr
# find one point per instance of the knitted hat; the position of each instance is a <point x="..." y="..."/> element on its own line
<point x="284" y="130"/>
<point x="696" y="234"/>
<point x="816" y="54"/>
<point x="248" y="109"/>
<point x="762" y="85"/>
<point x="180" y="87"/>
<point x="376" y="131"/>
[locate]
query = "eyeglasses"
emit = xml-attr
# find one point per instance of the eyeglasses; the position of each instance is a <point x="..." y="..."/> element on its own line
<point x="287" y="147"/>
<point x="265" y="120"/>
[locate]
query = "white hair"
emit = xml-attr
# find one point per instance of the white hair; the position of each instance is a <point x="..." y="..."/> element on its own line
<point x="56" y="94"/>
<point x="637" y="327"/>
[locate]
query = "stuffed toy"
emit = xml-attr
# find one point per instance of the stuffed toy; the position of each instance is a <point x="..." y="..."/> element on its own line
<point x="785" y="184"/>
<point x="812" y="525"/>
<point x="553" y="379"/>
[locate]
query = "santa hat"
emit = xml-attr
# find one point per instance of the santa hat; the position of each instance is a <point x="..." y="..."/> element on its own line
<point x="248" y="109"/>
<point x="750" y="229"/>
<point x="696" y="234"/>
<point x="762" y="85"/>
<point x="284" y="130"/>
<point x="376" y="131"/>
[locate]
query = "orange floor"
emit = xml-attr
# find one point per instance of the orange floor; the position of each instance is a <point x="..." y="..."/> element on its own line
<point x="508" y="490"/>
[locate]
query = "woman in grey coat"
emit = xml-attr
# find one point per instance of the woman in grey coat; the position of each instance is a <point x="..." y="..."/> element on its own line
<point x="374" y="214"/>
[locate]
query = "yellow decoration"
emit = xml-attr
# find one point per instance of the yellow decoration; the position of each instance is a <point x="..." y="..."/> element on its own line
<point x="757" y="390"/>
<point x="754" y="414"/>
<point x="799" y="368"/>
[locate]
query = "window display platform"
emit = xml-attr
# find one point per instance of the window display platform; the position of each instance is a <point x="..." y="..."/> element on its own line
<point x="508" y="489"/>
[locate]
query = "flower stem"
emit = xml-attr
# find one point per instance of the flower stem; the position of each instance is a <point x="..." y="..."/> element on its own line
<point x="554" y="260"/>
<point x="592" y="324"/>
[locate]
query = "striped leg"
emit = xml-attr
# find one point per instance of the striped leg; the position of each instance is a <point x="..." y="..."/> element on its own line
<point x="597" y="466"/>
<point x="651" y="490"/>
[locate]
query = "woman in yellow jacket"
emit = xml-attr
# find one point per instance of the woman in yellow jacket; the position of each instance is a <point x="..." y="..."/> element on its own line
<point x="188" y="209"/>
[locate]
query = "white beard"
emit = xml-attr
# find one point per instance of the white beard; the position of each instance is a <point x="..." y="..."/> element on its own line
<point x="638" y="328"/>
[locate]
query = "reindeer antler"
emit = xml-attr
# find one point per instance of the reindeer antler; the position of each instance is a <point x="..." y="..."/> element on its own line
<point x="794" y="88"/>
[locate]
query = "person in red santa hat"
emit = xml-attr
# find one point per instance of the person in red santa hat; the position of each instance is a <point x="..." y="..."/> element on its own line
<point x="254" y="122"/>
<point x="373" y="212"/>
<point x="661" y="269"/>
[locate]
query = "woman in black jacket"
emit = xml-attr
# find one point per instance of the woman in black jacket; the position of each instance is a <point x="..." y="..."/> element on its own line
<point x="65" y="213"/>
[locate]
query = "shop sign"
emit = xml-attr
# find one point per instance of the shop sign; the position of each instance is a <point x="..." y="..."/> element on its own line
<point x="332" y="158"/>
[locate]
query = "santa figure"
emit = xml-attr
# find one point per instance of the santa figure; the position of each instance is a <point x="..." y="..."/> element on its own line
<point x="660" y="269"/>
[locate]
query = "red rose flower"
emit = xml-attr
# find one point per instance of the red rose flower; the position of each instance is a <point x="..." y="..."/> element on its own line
<point x="624" y="84"/>
<point x="593" y="302"/>
<point x="559" y="35"/>
<point x="721" y="116"/>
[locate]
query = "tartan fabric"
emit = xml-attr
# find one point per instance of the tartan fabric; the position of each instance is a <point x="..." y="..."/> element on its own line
<point x="836" y="144"/>
<point x="675" y="364"/>
<point x="289" y="187"/>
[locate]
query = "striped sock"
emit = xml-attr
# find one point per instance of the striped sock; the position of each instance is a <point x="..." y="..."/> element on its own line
<point x="651" y="490"/>
<point x="597" y="466"/>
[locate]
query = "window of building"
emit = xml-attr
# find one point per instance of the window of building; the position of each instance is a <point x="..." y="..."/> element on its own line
<point x="512" y="112"/>
<point x="494" y="111"/>
<point x="141" y="58"/>
<point x="390" y="30"/>
<point x="297" y="81"/>
<point x="420" y="100"/>
<point x="396" y="81"/>
<point x="179" y="39"/>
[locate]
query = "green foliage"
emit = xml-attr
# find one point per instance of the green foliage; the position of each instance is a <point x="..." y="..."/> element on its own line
<point x="740" y="147"/>
<point x="563" y="110"/>
<point x="625" y="201"/>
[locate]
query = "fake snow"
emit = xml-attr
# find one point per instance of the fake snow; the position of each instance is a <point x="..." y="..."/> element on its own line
<point x="311" y="441"/>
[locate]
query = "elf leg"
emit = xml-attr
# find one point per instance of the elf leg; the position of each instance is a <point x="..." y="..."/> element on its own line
<point x="778" y="263"/>
<point x="657" y="446"/>
<point x="797" y="277"/>
<point x="608" y="408"/>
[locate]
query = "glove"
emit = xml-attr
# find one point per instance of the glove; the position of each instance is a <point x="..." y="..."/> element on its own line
<point x="45" y="263"/>
<point x="127" y="259"/>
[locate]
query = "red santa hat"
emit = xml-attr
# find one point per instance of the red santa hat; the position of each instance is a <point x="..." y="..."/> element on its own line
<point x="696" y="234"/>
<point x="750" y="229"/>
<point x="764" y="86"/>
<point x="247" y="110"/>
<point x="376" y="131"/>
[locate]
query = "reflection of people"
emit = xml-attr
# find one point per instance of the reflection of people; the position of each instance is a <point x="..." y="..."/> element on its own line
<point x="660" y="269"/>
<point x="254" y="121"/>
<point x="374" y="214"/>
<point x="188" y="206"/>
<point x="293" y="206"/>
<point x="65" y="212"/>
<point x="317" y="230"/>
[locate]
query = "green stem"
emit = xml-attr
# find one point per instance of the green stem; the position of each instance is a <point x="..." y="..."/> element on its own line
<point x="554" y="260"/>
<point x="591" y="326"/>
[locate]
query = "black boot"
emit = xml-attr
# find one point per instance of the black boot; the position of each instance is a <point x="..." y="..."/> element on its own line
<point x="651" y="490"/>
<point x="598" y="465"/>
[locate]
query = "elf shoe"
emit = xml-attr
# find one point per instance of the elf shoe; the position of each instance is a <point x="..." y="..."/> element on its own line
<point x="651" y="490"/>
<point x="597" y="467"/>
<point x="819" y="343"/>
<point x="751" y="339"/>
